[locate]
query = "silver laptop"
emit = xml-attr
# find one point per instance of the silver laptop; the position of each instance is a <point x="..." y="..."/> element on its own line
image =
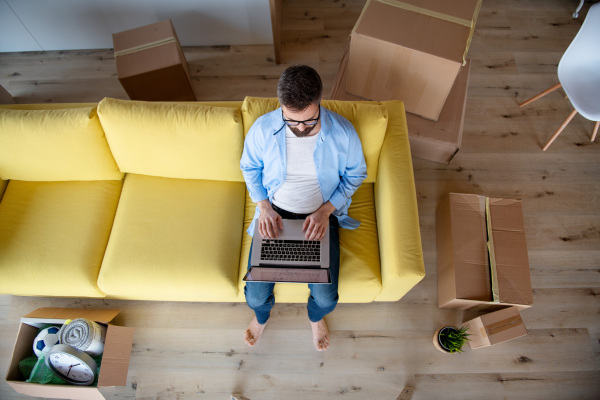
<point x="290" y="257"/>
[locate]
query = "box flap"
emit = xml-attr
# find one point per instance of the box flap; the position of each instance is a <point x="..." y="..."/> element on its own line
<point x="394" y="22"/>
<point x="115" y="360"/>
<point x="447" y="131"/>
<point x="510" y="252"/>
<point x="73" y="313"/>
<point x="56" y="391"/>
<point x="472" y="275"/>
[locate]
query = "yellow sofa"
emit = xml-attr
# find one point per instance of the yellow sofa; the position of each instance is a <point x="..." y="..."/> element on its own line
<point x="146" y="201"/>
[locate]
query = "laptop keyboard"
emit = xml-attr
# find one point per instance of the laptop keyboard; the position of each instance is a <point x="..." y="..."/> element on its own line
<point x="290" y="250"/>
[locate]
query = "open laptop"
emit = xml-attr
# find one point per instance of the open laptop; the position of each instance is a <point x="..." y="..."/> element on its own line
<point x="290" y="257"/>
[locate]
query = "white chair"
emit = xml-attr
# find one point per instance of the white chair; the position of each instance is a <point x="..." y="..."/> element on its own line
<point x="579" y="74"/>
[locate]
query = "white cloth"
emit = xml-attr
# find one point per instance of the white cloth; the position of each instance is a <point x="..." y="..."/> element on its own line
<point x="300" y="192"/>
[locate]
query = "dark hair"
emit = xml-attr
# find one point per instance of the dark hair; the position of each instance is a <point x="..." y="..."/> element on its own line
<point x="299" y="86"/>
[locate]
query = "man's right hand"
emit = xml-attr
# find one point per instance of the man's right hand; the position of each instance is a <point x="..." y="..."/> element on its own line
<point x="269" y="222"/>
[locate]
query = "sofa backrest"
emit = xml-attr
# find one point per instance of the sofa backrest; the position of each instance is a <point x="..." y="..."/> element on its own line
<point x="370" y="119"/>
<point x="174" y="140"/>
<point x="54" y="144"/>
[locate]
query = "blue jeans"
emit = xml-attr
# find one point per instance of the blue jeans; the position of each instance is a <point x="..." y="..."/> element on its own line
<point x="323" y="297"/>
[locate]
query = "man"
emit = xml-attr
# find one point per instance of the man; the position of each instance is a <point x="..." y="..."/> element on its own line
<point x="301" y="161"/>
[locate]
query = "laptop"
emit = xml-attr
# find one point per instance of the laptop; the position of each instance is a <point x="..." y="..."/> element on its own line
<point x="290" y="257"/>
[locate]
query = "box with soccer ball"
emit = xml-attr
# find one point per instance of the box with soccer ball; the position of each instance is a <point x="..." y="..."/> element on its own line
<point x="68" y="353"/>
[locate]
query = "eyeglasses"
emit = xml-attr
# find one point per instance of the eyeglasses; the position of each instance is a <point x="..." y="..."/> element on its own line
<point x="308" y="122"/>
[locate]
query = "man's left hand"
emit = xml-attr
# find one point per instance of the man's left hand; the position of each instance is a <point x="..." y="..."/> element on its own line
<point x="316" y="224"/>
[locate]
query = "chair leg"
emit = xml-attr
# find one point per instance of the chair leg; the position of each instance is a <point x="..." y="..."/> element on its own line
<point x="542" y="94"/>
<point x="560" y="129"/>
<point x="595" y="130"/>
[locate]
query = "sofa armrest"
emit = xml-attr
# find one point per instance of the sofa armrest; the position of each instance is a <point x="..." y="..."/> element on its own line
<point x="400" y="248"/>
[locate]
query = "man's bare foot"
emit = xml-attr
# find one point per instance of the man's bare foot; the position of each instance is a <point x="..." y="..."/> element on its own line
<point x="320" y="335"/>
<point x="253" y="332"/>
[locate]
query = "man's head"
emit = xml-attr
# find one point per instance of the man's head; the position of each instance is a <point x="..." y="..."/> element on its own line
<point x="299" y="92"/>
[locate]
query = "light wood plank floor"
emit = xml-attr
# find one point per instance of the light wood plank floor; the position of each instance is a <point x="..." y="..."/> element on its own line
<point x="195" y="351"/>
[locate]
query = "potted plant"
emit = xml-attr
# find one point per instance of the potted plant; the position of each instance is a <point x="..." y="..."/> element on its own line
<point x="450" y="339"/>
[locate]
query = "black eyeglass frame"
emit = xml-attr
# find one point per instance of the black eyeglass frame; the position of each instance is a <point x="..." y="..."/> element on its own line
<point x="307" y="122"/>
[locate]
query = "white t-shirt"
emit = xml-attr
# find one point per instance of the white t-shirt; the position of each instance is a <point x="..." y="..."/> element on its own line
<point x="300" y="192"/>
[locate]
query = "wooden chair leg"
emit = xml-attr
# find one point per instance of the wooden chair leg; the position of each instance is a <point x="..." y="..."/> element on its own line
<point x="595" y="130"/>
<point x="560" y="129"/>
<point x="542" y="94"/>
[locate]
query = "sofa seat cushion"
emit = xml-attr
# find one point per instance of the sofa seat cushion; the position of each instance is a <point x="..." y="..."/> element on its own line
<point x="53" y="236"/>
<point x="360" y="276"/>
<point x="66" y="144"/>
<point x="175" y="239"/>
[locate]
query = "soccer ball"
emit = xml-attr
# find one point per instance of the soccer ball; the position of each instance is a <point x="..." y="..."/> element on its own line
<point x="44" y="341"/>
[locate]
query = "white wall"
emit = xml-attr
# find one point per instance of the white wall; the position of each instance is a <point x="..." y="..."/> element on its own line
<point x="34" y="25"/>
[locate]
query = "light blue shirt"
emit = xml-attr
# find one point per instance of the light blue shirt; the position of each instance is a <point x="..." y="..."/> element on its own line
<point x="338" y="156"/>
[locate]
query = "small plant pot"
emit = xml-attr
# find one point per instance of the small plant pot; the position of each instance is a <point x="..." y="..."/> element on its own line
<point x="438" y="343"/>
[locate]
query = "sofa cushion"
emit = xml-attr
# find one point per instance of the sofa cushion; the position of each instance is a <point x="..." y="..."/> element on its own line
<point x="175" y="239"/>
<point x="174" y="140"/>
<point x="369" y="119"/>
<point x="54" y="145"/>
<point x="53" y="236"/>
<point x="360" y="277"/>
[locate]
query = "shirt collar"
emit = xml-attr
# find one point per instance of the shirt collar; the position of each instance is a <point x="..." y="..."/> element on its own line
<point x="279" y="125"/>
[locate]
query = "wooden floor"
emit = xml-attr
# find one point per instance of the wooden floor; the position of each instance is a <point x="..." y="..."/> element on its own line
<point x="195" y="351"/>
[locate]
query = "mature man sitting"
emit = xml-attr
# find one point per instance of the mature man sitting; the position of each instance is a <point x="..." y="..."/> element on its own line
<point x="301" y="161"/>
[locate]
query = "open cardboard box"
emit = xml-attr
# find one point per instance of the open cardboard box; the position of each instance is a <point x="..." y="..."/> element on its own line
<point x="115" y="359"/>
<point x="151" y="65"/>
<point x="472" y="270"/>
<point x="410" y="50"/>
<point x="434" y="141"/>
<point x="496" y="327"/>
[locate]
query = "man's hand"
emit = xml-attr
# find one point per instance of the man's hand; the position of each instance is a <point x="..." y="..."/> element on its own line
<point x="316" y="224"/>
<point x="269" y="222"/>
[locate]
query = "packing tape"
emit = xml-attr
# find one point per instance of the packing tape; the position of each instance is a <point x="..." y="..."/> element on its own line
<point x="434" y="14"/>
<point x="145" y="46"/>
<point x="504" y="325"/>
<point x="430" y="13"/>
<point x="84" y="335"/>
<point x="492" y="253"/>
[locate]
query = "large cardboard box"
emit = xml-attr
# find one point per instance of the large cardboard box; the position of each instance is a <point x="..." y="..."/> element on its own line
<point x="482" y="253"/>
<point x="151" y="65"/>
<point x="496" y="327"/>
<point x="434" y="141"/>
<point x="115" y="359"/>
<point x="410" y="50"/>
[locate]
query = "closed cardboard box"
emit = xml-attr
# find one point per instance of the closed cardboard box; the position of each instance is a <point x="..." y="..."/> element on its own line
<point x="496" y="327"/>
<point x="151" y="65"/>
<point x="434" y="141"/>
<point x="410" y="50"/>
<point x="115" y="358"/>
<point x="482" y="253"/>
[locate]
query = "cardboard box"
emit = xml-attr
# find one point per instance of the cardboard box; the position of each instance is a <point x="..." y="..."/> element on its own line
<point x="410" y="50"/>
<point x="434" y="141"/>
<point x="497" y="327"/>
<point x="151" y="65"/>
<point x="115" y="359"/>
<point x="440" y="141"/>
<point x="472" y="271"/>
<point x="5" y="97"/>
